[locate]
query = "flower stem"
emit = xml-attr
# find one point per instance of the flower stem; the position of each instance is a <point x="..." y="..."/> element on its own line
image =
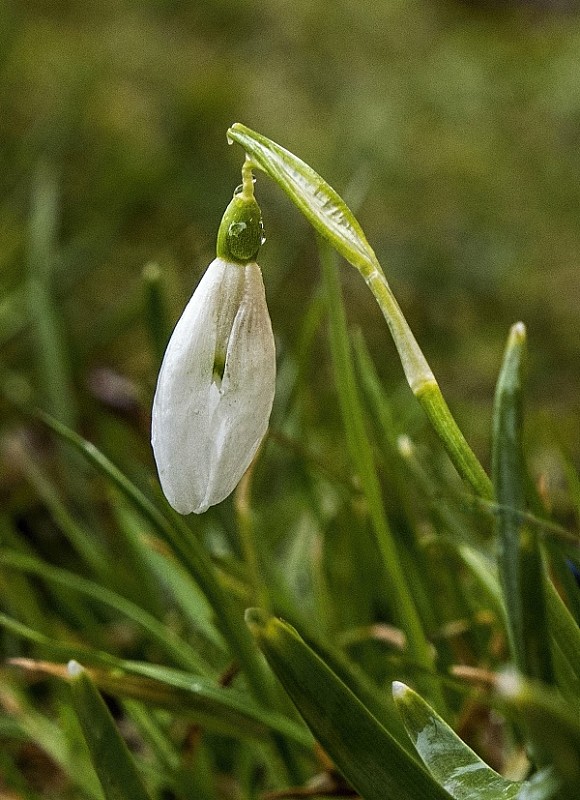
<point x="247" y="179"/>
<point x="433" y="403"/>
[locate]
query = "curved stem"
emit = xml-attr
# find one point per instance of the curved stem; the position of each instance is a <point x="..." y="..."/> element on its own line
<point x="330" y="216"/>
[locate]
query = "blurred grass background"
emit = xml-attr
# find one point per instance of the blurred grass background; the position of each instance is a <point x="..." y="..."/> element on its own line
<point x="454" y="129"/>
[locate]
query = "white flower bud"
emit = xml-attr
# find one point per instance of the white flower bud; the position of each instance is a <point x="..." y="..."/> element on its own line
<point x="215" y="388"/>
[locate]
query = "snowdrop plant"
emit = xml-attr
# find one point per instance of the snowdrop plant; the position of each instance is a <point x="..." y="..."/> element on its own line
<point x="216" y="383"/>
<point x="394" y="578"/>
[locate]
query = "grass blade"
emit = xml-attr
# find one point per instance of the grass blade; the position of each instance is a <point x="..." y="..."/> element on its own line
<point x="553" y="724"/>
<point x="223" y="711"/>
<point x="61" y="743"/>
<point x="566" y="641"/>
<point x="159" y="566"/>
<point x="185" y="545"/>
<point x="52" y="357"/>
<point x="520" y="561"/>
<point x="195" y="558"/>
<point x="174" y="647"/>
<point x="155" y="311"/>
<point x="80" y="537"/>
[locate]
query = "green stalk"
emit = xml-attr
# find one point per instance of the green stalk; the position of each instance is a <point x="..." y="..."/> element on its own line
<point x="422" y="381"/>
<point x="246" y="532"/>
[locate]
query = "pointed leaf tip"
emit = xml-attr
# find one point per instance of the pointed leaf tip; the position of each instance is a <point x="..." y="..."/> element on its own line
<point x="256" y="619"/>
<point x="518" y="330"/>
<point x="399" y="690"/>
<point x="74" y="669"/>
<point x="451" y="762"/>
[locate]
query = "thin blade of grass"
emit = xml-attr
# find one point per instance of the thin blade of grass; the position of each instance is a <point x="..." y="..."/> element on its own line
<point x="566" y="637"/>
<point x="196" y="560"/>
<point x="61" y="744"/>
<point x="224" y="711"/>
<point x="81" y="539"/>
<point x="179" y="775"/>
<point x="520" y="561"/>
<point x="52" y="356"/>
<point x="185" y="544"/>
<point x="155" y="312"/>
<point x="55" y="647"/>
<point x="564" y="633"/>
<point x="110" y="755"/>
<point x="172" y="645"/>
<point x="553" y="723"/>
<point x="159" y="565"/>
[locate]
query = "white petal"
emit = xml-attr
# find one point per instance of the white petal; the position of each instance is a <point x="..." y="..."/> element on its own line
<point x="240" y="419"/>
<point x="204" y="435"/>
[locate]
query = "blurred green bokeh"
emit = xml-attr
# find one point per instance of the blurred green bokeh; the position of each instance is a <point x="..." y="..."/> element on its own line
<point x="454" y="129"/>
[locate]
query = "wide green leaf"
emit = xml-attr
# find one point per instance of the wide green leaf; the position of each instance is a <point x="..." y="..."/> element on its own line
<point x="451" y="762"/>
<point x="363" y="750"/>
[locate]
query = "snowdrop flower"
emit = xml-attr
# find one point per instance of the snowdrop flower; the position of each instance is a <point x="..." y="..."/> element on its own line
<point x="216" y="384"/>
